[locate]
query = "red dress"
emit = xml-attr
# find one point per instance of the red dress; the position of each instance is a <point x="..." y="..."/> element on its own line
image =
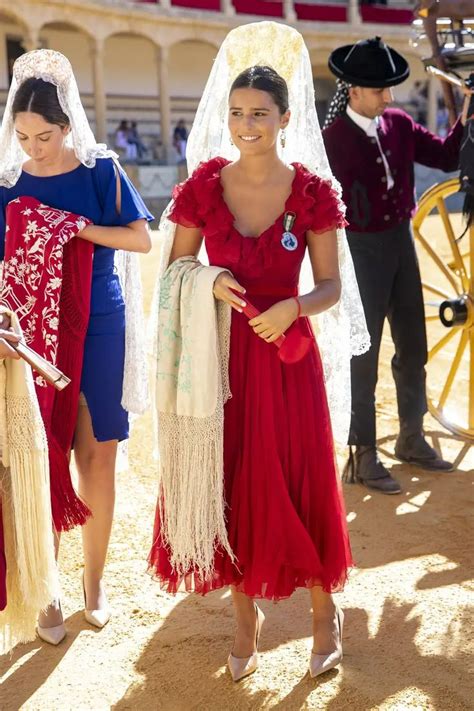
<point x="285" y="514"/>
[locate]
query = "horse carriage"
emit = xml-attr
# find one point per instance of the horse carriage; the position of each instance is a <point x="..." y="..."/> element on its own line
<point x="448" y="271"/>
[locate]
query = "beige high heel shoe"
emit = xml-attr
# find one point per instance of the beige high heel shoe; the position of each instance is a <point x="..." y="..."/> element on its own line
<point x="240" y="667"/>
<point x="98" y="618"/>
<point x="320" y="663"/>
<point x="52" y="635"/>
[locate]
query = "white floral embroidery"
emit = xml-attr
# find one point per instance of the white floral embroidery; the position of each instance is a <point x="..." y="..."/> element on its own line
<point x="27" y="269"/>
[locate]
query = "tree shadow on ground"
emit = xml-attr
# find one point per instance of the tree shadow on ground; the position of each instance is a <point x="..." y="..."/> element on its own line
<point x="41" y="659"/>
<point x="431" y="516"/>
<point x="183" y="665"/>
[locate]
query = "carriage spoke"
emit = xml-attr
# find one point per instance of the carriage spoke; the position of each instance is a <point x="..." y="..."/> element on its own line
<point x="437" y="260"/>
<point x="436" y="290"/>
<point x="471" y="379"/>
<point x="459" y="266"/>
<point x="443" y="341"/>
<point x="453" y="369"/>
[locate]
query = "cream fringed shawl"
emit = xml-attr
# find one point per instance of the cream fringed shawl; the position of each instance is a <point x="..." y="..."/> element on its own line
<point x="191" y="388"/>
<point x="32" y="580"/>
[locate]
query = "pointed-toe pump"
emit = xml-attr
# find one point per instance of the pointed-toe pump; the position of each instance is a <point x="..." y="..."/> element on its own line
<point x="98" y="618"/>
<point x="240" y="667"/>
<point x="321" y="663"/>
<point x="52" y="635"/>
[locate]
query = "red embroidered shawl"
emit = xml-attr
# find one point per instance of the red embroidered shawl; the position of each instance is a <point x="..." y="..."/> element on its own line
<point x="47" y="282"/>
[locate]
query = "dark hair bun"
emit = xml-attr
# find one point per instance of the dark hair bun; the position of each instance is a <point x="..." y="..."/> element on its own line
<point x="266" y="79"/>
<point x="39" y="97"/>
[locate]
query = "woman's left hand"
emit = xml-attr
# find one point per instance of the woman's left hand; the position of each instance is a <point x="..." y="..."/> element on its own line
<point x="273" y="322"/>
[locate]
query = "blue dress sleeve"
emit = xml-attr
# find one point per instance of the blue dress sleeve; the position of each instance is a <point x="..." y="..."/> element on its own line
<point x="132" y="206"/>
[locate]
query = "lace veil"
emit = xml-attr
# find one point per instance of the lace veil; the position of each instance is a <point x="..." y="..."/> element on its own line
<point x="55" y="68"/>
<point x="341" y="331"/>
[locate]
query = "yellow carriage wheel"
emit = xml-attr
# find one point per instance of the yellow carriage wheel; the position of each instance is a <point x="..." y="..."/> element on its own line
<point x="447" y="271"/>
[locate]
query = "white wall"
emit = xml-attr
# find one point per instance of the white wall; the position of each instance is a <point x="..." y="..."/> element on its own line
<point x="76" y="46"/>
<point x="190" y="65"/>
<point x="131" y="66"/>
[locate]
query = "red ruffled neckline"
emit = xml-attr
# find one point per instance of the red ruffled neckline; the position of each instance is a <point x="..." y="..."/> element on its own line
<point x="214" y="213"/>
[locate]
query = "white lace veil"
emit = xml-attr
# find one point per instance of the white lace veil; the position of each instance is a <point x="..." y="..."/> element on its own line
<point x="55" y="68"/>
<point x="341" y="331"/>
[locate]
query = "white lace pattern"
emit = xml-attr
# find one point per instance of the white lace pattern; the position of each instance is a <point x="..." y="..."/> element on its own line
<point x="55" y="68"/>
<point x="342" y="330"/>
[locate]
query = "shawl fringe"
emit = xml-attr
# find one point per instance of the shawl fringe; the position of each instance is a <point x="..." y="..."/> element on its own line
<point x="32" y="580"/>
<point x="191" y="390"/>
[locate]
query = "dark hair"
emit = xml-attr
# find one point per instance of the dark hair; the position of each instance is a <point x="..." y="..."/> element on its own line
<point x="264" y="79"/>
<point x="39" y="97"/>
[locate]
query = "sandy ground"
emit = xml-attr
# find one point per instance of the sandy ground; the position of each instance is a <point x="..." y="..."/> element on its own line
<point x="407" y="622"/>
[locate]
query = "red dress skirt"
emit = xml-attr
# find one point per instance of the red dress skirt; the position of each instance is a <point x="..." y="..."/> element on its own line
<point x="285" y="514"/>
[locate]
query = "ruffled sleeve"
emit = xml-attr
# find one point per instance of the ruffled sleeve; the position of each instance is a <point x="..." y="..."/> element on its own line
<point x="323" y="209"/>
<point x="195" y="197"/>
<point x="132" y="206"/>
<point x="185" y="204"/>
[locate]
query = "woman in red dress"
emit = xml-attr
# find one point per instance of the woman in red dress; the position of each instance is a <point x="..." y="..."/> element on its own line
<point x="285" y="515"/>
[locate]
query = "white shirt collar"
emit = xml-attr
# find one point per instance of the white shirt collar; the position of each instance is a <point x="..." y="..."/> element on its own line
<point x="368" y="125"/>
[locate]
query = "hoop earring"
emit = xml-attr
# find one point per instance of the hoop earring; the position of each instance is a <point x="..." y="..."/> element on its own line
<point x="283" y="138"/>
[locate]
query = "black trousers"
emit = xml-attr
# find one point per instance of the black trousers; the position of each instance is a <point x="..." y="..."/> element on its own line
<point x="389" y="281"/>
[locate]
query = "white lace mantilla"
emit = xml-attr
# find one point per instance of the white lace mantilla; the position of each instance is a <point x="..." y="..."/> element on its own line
<point x="55" y="68"/>
<point x="341" y="331"/>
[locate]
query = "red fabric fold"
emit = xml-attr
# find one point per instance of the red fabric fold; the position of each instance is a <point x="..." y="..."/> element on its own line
<point x="47" y="282"/>
<point x="285" y="514"/>
<point x="199" y="202"/>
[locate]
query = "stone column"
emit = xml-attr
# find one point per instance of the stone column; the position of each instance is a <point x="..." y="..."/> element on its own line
<point x="432" y="122"/>
<point x="165" y="102"/>
<point x="353" y="12"/>
<point x="289" y="10"/>
<point x="227" y="8"/>
<point x="31" y="40"/>
<point x="100" y="104"/>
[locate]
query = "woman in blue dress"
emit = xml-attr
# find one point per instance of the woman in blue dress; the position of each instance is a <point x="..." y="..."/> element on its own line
<point x="73" y="176"/>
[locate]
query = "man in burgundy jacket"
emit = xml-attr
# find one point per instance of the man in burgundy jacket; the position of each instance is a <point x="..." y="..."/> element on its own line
<point x="372" y="150"/>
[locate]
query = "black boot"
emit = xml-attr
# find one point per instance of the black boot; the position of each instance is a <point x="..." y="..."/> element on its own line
<point x="412" y="447"/>
<point x="364" y="466"/>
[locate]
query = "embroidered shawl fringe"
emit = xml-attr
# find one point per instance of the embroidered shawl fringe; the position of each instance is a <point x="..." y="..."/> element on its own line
<point x="32" y="580"/>
<point x="190" y="418"/>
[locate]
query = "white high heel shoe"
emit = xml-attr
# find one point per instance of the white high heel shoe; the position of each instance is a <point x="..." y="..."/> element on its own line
<point x="52" y="635"/>
<point x="320" y="663"/>
<point x="98" y="618"/>
<point x="240" y="667"/>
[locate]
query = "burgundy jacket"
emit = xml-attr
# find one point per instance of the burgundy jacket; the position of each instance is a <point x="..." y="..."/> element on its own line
<point x="355" y="161"/>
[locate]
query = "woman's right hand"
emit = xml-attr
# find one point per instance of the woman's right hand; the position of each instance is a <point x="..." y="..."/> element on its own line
<point x="223" y="286"/>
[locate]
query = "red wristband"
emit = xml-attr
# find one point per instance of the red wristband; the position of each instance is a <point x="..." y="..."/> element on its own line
<point x="299" y="307"/>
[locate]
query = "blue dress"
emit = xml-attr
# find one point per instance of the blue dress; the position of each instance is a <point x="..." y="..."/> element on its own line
<point x="91" y="192"/>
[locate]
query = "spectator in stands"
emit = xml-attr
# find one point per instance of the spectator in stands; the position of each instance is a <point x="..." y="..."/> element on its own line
<point x="127" y="149"/>
<point x="135" y="139"/>
<point x="442" y="118"/>
<point x="418" y="98"/>
<point x="180" y="139"/>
